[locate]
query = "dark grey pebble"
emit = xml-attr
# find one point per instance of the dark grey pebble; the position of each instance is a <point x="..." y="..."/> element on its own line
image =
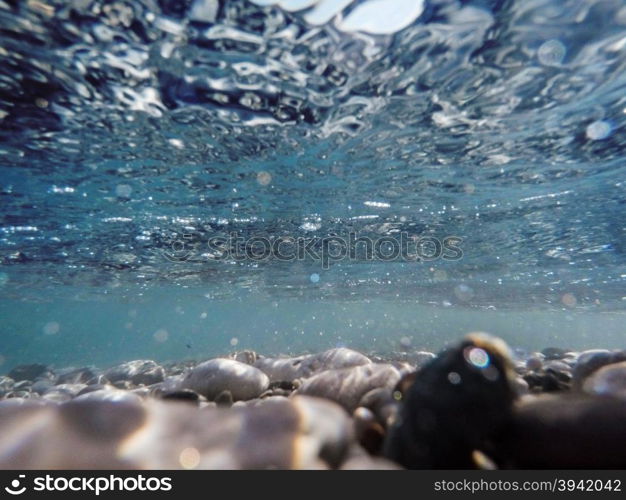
<point x="554" y="352"/>
<point x="565" y="431"/>
<point x="28" y="372"/>
<point x="454" y="405"/>
<point x="186" y="395"/>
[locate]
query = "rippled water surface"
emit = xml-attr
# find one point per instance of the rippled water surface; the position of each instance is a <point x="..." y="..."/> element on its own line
<point x="133" y="132"/>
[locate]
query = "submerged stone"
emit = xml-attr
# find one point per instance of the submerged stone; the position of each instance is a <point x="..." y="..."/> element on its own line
<point x="592" y="360"/>
<point x="279" y="433"/>
<point x="138" y="372"/>
<point x="348" y="385"/>
<point x="565" y="431"/>
<point x="289" y="369"/>
<point x="609" y="380"/>
<point x="213" y="377"/>
<point x="28" y="372"/>
<point x="454" y="406"/>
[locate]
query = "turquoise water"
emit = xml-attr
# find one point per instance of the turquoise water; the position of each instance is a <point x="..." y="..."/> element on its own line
<point x="135" y="135"/>
<point x="170" y="325"/>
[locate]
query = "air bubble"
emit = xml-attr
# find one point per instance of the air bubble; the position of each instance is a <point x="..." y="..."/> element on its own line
<point x="599" y="130"/>
<point x="551" y="53"/>
<point x="51" y="328"/>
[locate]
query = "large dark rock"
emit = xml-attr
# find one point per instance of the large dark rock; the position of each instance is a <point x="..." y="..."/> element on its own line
<point x="455" y="405"/>
<point x="565" y="431"/>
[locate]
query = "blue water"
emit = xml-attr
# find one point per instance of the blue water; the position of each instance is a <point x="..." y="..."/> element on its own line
<point x="132" y="133"/>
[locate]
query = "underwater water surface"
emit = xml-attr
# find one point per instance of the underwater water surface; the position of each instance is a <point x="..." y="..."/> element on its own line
<point x="140" y="139"/>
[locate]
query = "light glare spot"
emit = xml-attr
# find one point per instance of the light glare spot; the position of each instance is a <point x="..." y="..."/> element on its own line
<point x="264" y="178"/>
<point x="314" y="278"/>
<point x="551" y="53"/>
<point x="599" y="130"/>
<point x="123" y="191"/>
<point x="189" y="458"/>
<point x="161" y="335"/>
<point x="477" y="356"/>
<point x="569" y="300"/>
<point x="51" y="328"/>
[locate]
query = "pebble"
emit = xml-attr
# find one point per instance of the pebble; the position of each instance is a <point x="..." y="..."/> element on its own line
<point x="554" y="352"/>
<point x="454" y="406"/>
<point x="63" y="392"/>
<point x="565" y="431"/>
<point x="248" y="357"/>
<point x="84" y="375"/>
<point x="592" y="360"/>
<point x="138" y="372"/>
<point x="28" y="372"/>
<point x="535" y="362"/>
<point x="609" y="380"/>
<point x="296" y="433"/>
<point x="217" y="375"/>
<point x="348" y="385"/>
<point x="289" y="369"/>
<point x="336" y="409"/>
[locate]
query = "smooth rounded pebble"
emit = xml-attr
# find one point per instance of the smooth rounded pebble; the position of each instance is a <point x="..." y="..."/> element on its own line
<point x="278" y="433"/>
<point x="138" y="372"/>
<point x="348" y="385"/>
<point x="609" y="380"/>
<point x="289" y="369"/>
<point x="215" y="376"/>
<point x="592" y="360"/>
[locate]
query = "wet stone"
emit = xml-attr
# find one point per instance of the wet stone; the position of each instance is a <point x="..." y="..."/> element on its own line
<point x="420" y="358"/>
<point x="217" y="375"/>
<point x="22" y="385"/>
<point x="610" y="380"/>
<point x="28" y="372"/>
<point x="554" y="352"/>
<point x="138" y="372"/>
<point x="95" y="387"/>
<point x="592" y="360"/>
<point x="348" y="385"/>
<point x="247" y="357"/>
<point x="535" y="362"/>
<point x="6" y="383"/>
<point x="63" y="392"/>
<point x="41" y="386"/>
<point x="289" y="369"/>
<point x="77" y="376"/>
<point x="281" y="433"/>
<point x="185" y="395"/>
<point x="454" y="406"/>
<point x="551" y="432"/>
